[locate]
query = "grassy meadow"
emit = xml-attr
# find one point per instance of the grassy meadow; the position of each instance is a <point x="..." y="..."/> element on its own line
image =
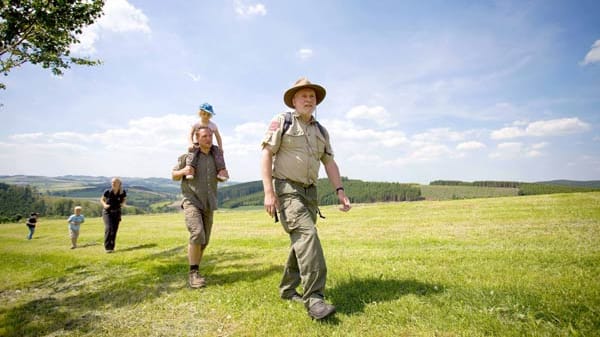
<point x="510" y="266"/>
<point x="449" y="192"/>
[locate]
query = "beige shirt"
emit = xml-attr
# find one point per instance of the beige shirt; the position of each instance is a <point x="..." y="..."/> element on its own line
<point x="297" y="156"/>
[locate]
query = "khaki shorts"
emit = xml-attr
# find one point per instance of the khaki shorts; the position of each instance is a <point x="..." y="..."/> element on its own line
<point x="198" y="222"/>
<point x="73" y="234"/>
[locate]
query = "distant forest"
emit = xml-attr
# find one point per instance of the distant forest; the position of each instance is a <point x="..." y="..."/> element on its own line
<point x="251" y="193"/>
<point x="18" y="201"/>
<point x="556" y="186"/>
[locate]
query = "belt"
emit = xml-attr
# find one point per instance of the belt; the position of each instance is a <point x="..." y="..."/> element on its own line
<point x="292" y="182"/>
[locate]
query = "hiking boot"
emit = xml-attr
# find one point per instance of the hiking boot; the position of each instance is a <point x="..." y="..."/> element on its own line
<point x="294" y="298"/>
<point x="195" y="280"/>
<point x="320" y="310"/>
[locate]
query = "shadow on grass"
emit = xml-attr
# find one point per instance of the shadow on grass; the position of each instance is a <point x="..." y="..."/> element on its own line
<point x="144" y="246"/>
<point x="64" y="304"/>
<point x="351" y="296"/>
<point x="88" y="244"/>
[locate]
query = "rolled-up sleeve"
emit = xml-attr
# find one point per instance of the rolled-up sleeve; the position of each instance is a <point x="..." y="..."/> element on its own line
<point x="272" y="139"/>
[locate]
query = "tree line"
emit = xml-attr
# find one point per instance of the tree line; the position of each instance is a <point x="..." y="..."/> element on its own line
<point x="18" y="201"/>
<point x="251" y="194"/>
<point x="524" y="188"/>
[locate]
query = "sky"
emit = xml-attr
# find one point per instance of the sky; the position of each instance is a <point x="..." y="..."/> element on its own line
<point x="416" y="90"/>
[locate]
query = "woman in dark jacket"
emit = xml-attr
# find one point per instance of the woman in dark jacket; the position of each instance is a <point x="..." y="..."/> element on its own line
<point x="112" y="200"/>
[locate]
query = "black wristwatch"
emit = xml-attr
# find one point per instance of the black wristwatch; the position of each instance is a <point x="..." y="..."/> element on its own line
<point x="338" y="189"/>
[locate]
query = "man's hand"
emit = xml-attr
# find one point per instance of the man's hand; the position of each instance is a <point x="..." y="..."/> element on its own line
<point x="271" y="204"/>
<point x="187" y="170"/>
<point x="344" y="201"/>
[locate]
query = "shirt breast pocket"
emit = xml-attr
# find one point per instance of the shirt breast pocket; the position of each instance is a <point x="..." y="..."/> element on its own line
<point x="294" y="140"/>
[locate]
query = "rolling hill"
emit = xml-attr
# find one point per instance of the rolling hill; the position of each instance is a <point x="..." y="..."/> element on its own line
<point x="147" y="193"/>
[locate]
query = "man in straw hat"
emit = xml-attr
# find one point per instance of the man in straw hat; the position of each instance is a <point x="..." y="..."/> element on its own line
<point x="292" y="151"/>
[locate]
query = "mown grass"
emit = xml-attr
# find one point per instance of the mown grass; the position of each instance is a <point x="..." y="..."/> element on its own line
<point x="449" y="192"/>
<point x="518" y="266"/>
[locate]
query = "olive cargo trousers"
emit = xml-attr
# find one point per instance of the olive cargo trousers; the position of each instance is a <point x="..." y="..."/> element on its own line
<point x="306" y="263"/>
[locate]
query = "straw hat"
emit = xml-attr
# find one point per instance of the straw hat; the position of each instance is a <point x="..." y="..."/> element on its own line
<point x="301" y="84"/>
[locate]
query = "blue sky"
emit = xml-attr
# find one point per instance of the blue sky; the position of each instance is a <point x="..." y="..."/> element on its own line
<point x="416" y="90"/>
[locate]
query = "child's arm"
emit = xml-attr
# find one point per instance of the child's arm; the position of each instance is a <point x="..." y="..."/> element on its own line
<point x="191" y="139"/>
<point x="219" y="141"/>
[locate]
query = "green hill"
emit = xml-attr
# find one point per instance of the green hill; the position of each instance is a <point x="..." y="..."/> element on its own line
<point x="150" y="195"/>
<point x="358" y="191"/>
<point x="572" y="183"/>
<point x="524" y="188"/>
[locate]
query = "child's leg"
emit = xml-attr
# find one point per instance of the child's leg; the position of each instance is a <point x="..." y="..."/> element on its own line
<point x="222" y="173"/>
<point x="31" y="230"/>
<point x="74" y="236"/>
<point x="190" y="162"/>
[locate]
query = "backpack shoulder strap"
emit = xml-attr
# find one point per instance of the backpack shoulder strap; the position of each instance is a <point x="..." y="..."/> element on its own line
<point x="323" y="130"/>
<point x="286" y="122"/>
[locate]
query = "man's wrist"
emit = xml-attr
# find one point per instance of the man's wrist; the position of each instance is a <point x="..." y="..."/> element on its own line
<point x="337" y="190"/>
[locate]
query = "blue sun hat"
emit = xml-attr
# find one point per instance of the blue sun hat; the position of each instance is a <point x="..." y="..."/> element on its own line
<point x="208" y="108"/>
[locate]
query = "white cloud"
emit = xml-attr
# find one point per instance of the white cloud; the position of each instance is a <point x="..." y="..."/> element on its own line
<point x="539" y="145"/>
<point x="470" y="145"/>
<point x="554" y="127"/>
<point x="557" y="127"/>
<point x="350" y="133"/>
<point x="87" y="39"/>
<point x="245" y="139"/>
<point x="364" y="158"/>
<point x="377" y="114"/>
<point x="244" y="10"/>
<point x="593" y="55"/>
<point x="439" y="135"/>
<point x="251" y="129"/>
<point x="194" y="77"/>
<point x="508" y="150"/>
<point x="507" y="133"/>
<point x="146" y="146"/>
<point x="533" y="153"/>
<point x="305" y="53"/>
<point x="430" y="152"/>
<point x="515" y="150"/>
<point x="27" y="137"/>
<point x="119" y="17"/>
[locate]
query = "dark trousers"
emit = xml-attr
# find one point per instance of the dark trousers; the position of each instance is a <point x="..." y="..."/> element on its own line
<point x="111" y="218"/>
<point x="31" y="231"/>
